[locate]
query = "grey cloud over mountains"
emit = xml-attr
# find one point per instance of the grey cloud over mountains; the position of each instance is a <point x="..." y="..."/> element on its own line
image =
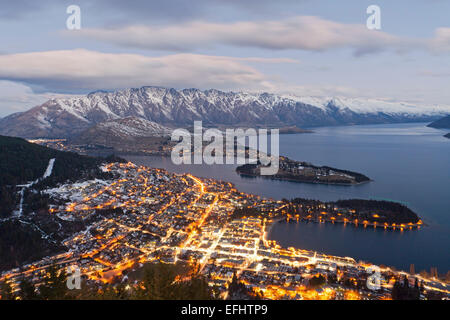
<point x="308" y="33"/>
<point x="15" y="97"/>
<point x="80" y="70"/>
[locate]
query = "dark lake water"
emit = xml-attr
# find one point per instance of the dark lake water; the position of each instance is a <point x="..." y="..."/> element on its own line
<point x="409" y="163"/>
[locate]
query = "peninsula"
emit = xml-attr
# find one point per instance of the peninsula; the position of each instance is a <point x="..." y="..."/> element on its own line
<point x="299" y="171"/>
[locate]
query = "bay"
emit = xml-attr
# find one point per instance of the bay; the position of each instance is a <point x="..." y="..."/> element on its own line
<point x="409" y="163"/>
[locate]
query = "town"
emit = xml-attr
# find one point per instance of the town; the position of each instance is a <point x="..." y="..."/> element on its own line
<point x="147" y="215"/>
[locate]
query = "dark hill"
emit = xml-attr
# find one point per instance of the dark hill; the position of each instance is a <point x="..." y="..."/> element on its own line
<point x="443" y="123"/>
<point x="22" y="161"/>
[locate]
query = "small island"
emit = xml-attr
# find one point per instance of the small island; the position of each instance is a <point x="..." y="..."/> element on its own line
<point x="299" y="171"/>
<point x="293" y="130"/>
<point x="388" y="214"/>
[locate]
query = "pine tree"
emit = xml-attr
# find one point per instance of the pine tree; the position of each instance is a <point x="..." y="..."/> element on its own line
<point x="27" y="290"/>
<point x="55" y="284"/>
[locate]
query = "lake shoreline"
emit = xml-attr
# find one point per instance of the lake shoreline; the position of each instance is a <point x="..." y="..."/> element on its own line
<point x="394" y="157"/>
<point x="302" y="181"/>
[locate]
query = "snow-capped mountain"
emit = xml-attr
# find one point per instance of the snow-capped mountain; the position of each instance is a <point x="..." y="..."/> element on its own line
<point x="179" y="108"/>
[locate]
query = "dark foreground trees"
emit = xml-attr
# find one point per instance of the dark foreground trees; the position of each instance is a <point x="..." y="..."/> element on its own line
<point x="403" y="291"/>
<point x="171" y="282"/>
<point x="153" y="282"/>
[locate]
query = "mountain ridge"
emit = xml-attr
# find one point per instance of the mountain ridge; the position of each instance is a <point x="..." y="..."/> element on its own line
<point x="67" y="117"/>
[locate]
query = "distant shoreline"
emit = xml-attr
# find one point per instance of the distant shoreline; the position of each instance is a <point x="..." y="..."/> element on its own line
<point x="415" y="226"/>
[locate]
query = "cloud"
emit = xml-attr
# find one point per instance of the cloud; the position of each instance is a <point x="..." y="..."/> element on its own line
<point x="308" y="33"/>
<point x="434" y="74"/>
<point x="301" y="32"/>
<point x="16" y="97"/>
<point x="440" y="43"/>
<point x="80" y="70"/>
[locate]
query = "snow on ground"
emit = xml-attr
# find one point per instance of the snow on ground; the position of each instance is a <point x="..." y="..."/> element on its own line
<point x="74" y="192"/>
<point x="48" y="171"/>
<point x="18" y="213"/>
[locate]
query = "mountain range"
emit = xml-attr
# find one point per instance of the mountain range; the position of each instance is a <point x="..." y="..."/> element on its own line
<point x="160" y="109"/>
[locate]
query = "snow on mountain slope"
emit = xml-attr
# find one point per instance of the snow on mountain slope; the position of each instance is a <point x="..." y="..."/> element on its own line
<point x="179" y="108"/>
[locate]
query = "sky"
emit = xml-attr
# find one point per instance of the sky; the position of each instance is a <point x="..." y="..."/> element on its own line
<point x="300" y="47"/>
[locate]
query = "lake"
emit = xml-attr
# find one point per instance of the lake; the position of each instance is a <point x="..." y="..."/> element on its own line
<point x="408" y="163"/>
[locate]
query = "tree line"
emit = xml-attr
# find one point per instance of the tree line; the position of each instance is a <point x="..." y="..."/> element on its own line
<point x="157" y="282"/>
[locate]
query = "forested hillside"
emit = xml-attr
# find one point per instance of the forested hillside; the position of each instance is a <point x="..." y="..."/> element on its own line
<point x="21" y="162"/>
